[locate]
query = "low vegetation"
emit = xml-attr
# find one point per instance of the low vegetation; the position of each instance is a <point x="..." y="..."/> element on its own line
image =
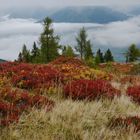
<point x="52" y="101"/>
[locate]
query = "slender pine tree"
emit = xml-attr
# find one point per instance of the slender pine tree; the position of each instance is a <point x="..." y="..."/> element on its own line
<point x="108" y="57"/>
<point x="49" y="42"/>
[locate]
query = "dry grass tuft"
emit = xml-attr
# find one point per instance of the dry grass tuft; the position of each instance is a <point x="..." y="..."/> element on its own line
<point x="75" y="120"/>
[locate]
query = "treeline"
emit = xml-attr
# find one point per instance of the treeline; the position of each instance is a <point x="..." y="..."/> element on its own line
<point x="49" y="49"/>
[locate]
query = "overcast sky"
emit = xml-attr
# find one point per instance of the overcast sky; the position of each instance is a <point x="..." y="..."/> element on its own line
<point x="60" y="3"/>
<point x="15" y="32"/>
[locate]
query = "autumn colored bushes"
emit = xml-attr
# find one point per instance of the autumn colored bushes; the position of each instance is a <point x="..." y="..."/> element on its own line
<point x="28" y="76"/>
<point x="134" y="93"/>
<point x="36" y="77"/>
<point x="62" y="70"/>
<point x="89" y="89"/>
<point x="18" y="95"/>
<point x="19" y="84"/>
<point x="75" y="69"/>
<point x="13" y="102"/>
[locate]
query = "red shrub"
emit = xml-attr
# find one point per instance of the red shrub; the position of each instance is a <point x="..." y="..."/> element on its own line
<point x="8" y="120"/>
<point x="134" y="93"/>
<point x="127" y="122"/>
<point x="8" y="109"/>
<point x="9" y="113"/>
<point x="67" y="60"/>
<point x="36" y="78"/>
<point x="89" y="89"/>
<point x="29" y="76"/>
<point x="14" y="102"/>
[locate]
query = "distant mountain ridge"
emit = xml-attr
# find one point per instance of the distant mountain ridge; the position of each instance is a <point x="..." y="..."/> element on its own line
<point x="97" y="14"/>
<point x="83" y="14"/>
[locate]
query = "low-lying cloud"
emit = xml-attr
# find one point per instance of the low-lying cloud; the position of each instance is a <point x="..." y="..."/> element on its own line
<point x="15" y="32"/>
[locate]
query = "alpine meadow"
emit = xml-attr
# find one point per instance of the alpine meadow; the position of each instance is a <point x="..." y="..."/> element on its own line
<point x="69" y="70"/>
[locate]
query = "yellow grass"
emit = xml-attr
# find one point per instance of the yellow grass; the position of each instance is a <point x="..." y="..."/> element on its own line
<point x="75" y="120"/>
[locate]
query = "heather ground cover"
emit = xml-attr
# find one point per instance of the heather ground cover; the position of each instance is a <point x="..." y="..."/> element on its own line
<point x="66" y="99"/>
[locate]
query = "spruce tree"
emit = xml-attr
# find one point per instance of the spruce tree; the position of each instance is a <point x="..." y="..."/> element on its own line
<point x="49" y="42"/>
<point x="88" y="51"/>
<point x="35" y="50"/>
<point x="35" y="54"/>
<point x="108" y="57"/>
<point x="99" y="56"/>
<point x="20" y="58"/>
<point x="132" y="54"/>
<point x="25" y="54"/>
